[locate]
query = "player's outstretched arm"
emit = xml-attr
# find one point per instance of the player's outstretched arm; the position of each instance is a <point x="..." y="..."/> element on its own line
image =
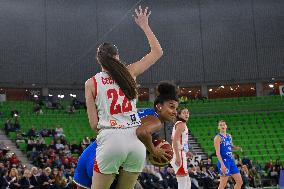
<point x="141" y="18"/>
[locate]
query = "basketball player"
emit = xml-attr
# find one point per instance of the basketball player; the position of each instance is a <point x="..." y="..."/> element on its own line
<point x="111" y="107"/>
<point x="181" y="149"/>
<point x="167" y="100"/>
<point x="226" y="164"/>
<point x="165" y="106"/>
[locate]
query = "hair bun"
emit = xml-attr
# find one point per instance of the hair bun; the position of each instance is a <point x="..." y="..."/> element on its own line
<point x="166" y="88"/>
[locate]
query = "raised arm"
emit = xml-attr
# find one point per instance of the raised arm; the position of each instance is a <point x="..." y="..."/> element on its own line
<point x="156" y="52"/>
<point x="90" y="96"/>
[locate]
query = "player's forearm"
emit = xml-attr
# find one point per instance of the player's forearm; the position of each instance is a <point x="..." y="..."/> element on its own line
<point x="220" y="158"/>
<point x="237" y="148"/>
<point x="153" y="42"/>
<point x="92" y="120"/>
<point x="176" y="150"/>
<point x="146" y="138"/>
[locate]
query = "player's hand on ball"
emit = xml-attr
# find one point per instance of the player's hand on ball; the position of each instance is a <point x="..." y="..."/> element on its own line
<point x="162" y="154"/>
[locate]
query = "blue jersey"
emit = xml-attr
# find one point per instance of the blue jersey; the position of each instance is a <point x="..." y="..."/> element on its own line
<point x="226" y="147"/>
<point x="227" y="156"/>
<point x="84" y="170"/>
<point x="147" y="112"/>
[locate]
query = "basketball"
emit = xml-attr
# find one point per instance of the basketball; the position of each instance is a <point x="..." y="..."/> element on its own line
<point x="164" y="145"/>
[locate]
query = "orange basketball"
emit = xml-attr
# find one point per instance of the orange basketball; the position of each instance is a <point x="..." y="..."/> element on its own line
<point x="164" y="145"/>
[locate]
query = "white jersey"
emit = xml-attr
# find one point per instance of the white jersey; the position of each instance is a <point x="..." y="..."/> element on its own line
<point x="183" y="143"/>
<point x="114" y="109"/>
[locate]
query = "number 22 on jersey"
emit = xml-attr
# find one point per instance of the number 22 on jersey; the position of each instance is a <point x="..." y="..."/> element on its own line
<point x="115" y="107"/>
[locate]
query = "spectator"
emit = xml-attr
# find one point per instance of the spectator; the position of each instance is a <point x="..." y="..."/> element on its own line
<point x="52" y="145"/>
<point x="40" y="143"/>
<point x="57" y="162"/>
<point x="8" y="126"/>
<point x="169" y="176"/>
<point x="59" y="131"/>
<point x="19" y="138"/>
<point x="25" y="180"/>
<point x="34" y="180"/>
<point x="14" y="160"/>
<point x="17" y="126"/>
<point x="208" y="163"/>
<point x="258" y="167"/>
<point x="76" y="103"/>
<point x="59" y="179"/>
<point x="75" y="148"/>
<point x="58" y="145"/>
<point x="4" y="183"/>
<point x="246" y="161"/>
<point x="66" y="151"/>
<point x="245" y="176"/>
<point x="277" y="165"/>
<point x="38" y="110"/>
<point x="148" y="179"/>
<point x="268" y="166"/>
<point x="62" y="139"/>
<point x="86" y="141"/>
<point x="14" y="179"/>
<point x="255" y="178"/>
<point x="14" y="113"/>
<point x="193" y="176"/>
<point x="31" y="144"/>
<point x="70" y="109"/>
<point x="45" y="180"/>
<point x="32" y="132"/>
<point x="273" y="174"/>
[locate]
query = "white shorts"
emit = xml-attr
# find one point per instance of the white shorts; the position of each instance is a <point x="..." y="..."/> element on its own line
<point x="119" y="148"/>
<point x="182" y="170"/>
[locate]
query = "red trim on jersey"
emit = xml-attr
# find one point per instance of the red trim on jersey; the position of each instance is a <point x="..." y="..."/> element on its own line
<point x="96" y="167"/>
<point x="96" y="87"/>
<point x="181" y="170"/>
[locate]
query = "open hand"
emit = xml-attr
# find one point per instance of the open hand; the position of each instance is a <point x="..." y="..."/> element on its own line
<point x="142" y="17"/>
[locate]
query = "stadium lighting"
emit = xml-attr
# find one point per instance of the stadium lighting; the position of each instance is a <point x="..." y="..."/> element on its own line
<point x="60" y="96"/>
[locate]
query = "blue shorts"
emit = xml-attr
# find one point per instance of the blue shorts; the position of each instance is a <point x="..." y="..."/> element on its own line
<point x="84" y="170"/>
<point x="230" y="165"/>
